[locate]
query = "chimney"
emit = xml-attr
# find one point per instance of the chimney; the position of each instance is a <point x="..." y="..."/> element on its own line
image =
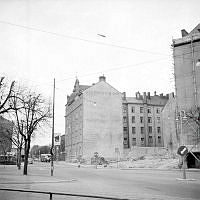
<point x="144" y="96"/>
<point x="149" y="95"/>
<point x="102" y="78"/>
<point x="184" y="33"/>
<point x="137" y="95"/>
<point x="124" y="95"/>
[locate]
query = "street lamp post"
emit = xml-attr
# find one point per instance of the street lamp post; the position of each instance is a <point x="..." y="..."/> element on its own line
<point x="52" y="145"/>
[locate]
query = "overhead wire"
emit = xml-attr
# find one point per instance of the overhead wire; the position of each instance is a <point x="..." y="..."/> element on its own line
<point x="95" y="42"/>
<point x="86" y="40"/>
<point x="79" y="38"/>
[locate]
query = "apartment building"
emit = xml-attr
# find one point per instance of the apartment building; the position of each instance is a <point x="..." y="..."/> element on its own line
<point x="186" y="52"/>
<point x="142" y="120"/>
<point x="93" y="121"/>
<point x="6" y="131"/>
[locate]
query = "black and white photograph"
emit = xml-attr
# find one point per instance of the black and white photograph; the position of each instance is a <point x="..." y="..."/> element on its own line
<point x="99" y="99"/>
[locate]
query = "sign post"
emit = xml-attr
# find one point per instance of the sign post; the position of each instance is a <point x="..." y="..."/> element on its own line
<point x="182" y="151"/>
<point x="117" y="153"/>
<point x="96" y="156"/>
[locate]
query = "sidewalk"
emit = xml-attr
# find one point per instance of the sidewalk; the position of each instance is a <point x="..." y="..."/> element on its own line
<point x="10" y="175"/>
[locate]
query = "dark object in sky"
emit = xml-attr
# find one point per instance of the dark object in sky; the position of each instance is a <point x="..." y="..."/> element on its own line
<point x="101" y="35"/>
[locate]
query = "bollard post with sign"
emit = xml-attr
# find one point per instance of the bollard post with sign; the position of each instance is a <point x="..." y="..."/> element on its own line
<point x="183" y="151"/>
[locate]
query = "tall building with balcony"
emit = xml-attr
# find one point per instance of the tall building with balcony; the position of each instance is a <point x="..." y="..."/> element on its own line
<point x="186" y="52"/>
<point x="142" y="120"/>
<point x="93" y="121"/>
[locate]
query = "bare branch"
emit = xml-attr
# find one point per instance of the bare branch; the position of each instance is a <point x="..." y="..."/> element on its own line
<point x="3" y="107"/>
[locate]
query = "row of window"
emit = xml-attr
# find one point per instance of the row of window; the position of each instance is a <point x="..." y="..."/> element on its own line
<point x="149" y="119"/>
<point x="150" y="129"/>
<point x="142" y="110"/>
<point x="150" y="140"/>
<point x="133" y="119"/>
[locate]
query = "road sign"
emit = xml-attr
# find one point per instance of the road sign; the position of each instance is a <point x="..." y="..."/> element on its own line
<point x="182" y="150"/>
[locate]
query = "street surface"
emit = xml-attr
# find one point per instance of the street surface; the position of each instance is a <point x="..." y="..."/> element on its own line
<point x="121" y="183"/>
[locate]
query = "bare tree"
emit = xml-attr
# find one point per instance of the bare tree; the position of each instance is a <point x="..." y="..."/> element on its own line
<point x="194" y="116"/>
<point x="31" y="111"/>
<point x="6" y="93"/>
<point x="17" y="140"/>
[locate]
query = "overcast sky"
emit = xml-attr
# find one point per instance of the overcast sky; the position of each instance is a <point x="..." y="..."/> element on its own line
<point x="45" y="39"/>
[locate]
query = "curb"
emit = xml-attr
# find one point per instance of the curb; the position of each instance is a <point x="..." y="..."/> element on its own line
<point x="35" y="182"/>
<point x="157" y="169"/>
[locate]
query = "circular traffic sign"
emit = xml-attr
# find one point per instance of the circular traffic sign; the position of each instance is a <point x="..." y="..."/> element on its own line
<point x="182" y="150"/>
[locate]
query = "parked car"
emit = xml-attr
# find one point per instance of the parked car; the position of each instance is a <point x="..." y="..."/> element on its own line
<point x="30" y="160"/>
<point x="45" y="157"/>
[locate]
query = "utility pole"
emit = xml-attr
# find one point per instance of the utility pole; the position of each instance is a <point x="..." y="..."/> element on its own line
<point x="52" y="145"/>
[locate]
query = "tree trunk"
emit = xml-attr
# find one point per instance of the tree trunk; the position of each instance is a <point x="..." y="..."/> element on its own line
<point x="19" y="150"/>
<point x="26" y="154"/>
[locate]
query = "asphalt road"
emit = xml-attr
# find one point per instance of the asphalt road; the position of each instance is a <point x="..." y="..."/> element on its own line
<point x="131" y="184"/>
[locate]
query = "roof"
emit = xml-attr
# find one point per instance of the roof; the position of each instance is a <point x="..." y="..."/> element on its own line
<point x="78" y="90"/>
<point x="154" y="100"/>
<point x="134" y="100"/>
<point x="84" y="87"/>
<point x="195" y="30"/>
<point x="194" y="35"/>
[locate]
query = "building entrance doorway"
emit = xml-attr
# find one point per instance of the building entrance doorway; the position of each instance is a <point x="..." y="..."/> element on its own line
<point x="192" y="162"/>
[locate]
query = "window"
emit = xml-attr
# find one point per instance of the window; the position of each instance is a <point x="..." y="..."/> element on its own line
<point x="133" y="119"/>
<point x="133" y="109"/>
<point x="149" y="110"/>
<point x="159" y="139"/>
<point x="150" y="139"/>
<point x="142" y="130"/>
<point x="149" y="120"/>
<point x="141" y="109"/>
<point x="125" y="140"/>
<point x="134" y="141"/>
<point x="133" y="130"/>
<point x="158" y="110"/>
<point x="125" y="129"/>
<point x="158" y="119"/>
<point x="124" y="119"/>
<point x="158" y="129"/>
<point x="150" y="129"/>
<point x="141" y="120"/>
<point x="142" y="140"/>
